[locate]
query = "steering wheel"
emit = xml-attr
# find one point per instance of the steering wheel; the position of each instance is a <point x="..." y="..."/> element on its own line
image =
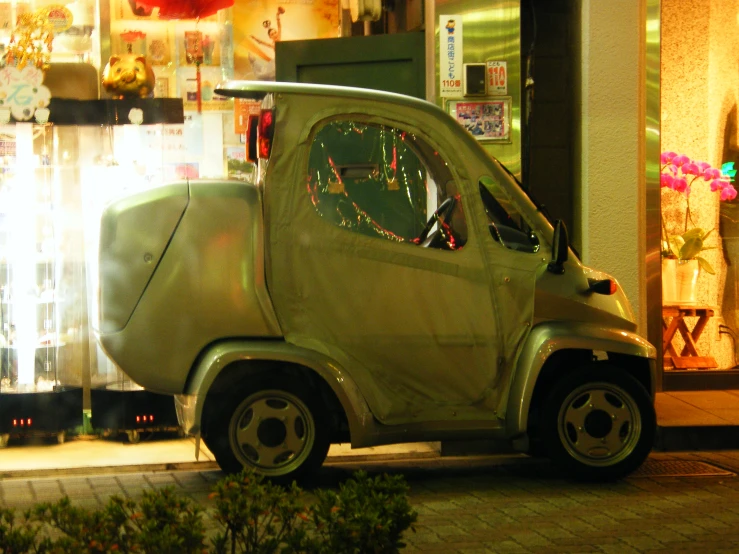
<point x="441" y="213"/>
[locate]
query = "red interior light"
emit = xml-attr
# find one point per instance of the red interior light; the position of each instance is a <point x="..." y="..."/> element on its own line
<point x="15" y="423"/>
<point x="29" y="421"/>
<point x="138" y="418"/>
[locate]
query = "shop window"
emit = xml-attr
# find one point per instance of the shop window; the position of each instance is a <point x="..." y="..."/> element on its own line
<point x="385" y="183"/>
<point x="505" y="222"/>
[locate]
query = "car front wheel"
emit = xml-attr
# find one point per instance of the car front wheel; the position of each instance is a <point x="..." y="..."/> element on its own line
<point x="276" y="427"/>
<point x="598" y="423"/>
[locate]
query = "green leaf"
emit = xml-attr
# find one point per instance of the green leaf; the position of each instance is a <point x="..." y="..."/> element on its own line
<point x="706" y="235"/>
<point x="675" y="245"/>
<point x="691" y="248"/>
<point x="695" y="232"/>
<point x="705" y="265"/>
<point x="728" y="170"/>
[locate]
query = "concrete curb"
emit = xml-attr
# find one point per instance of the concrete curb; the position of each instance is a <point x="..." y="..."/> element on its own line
<point x="699" y="437"/>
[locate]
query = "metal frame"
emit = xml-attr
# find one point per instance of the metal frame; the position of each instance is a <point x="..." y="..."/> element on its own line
<point x="652" y="117"/>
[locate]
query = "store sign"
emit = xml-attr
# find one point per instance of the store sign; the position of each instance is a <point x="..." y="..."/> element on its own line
<point x="21" y="93"/>
<point x="497" y="77"/>
<point x="450" y="55"/>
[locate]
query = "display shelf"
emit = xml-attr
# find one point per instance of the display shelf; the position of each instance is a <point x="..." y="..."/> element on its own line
<point x="38" y="280"/>
<point x="40" y="413"/>
<point x="116" y="409"/>
<point x="115" y="112"/>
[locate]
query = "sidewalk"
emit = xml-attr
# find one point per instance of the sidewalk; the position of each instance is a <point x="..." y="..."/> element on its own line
<point x="687" y="421"/>
<point x="163" y="452"/>
<point x="697" y="420"/>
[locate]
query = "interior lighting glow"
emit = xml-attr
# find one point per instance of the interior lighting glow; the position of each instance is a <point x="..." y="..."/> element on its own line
<point x="23" y="255"/>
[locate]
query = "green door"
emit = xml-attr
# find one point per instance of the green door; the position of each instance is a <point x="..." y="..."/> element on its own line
<point x="394" y="63"/>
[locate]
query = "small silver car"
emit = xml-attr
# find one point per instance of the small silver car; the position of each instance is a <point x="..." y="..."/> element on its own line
<point x="382" y="280"/>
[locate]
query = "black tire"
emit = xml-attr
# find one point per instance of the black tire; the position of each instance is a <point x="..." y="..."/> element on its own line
<point x="289" y="442"/>
<point x="598" y="423"/>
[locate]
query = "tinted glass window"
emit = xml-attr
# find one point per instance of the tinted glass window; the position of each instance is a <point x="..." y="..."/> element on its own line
<point x="385" y="183"/>
<point x="505" y="222"/>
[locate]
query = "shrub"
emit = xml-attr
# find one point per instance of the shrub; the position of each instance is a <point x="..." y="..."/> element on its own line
<point x="364" y="516"/>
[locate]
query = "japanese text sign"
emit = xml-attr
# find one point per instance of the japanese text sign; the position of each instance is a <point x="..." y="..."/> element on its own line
<point x="450" y="55"/>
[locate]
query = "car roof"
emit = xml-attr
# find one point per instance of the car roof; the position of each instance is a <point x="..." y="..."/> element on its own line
<point x="257" y="90"/>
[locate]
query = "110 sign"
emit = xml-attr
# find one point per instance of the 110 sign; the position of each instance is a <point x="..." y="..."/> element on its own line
<point x="497" y="77"/>
<point x="451" y="83"/>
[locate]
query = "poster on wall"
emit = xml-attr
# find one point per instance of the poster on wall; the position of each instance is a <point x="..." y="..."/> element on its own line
<point x="497" y="77"/>
<point x="450" y="55"/>
<point x="260" y="24"/>
<point x="486" y="119"/>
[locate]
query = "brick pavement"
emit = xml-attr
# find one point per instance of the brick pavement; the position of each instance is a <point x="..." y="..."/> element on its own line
<point x="492" y="504"/>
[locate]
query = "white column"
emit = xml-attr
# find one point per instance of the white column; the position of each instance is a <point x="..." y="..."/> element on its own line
<point x="612" y="139"/>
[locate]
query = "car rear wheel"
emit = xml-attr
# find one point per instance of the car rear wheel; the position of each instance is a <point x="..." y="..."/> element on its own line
<point x="275" y="427"/>
<point x="598" y="423"/>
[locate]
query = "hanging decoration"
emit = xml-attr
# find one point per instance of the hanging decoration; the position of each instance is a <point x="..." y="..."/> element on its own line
<point x="187" y="9"/>
<point x="30" y="41"/>
<point x="22" y="94"/>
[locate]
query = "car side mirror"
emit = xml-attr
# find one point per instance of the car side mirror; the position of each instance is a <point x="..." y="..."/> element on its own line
<point x="560" y="248"/>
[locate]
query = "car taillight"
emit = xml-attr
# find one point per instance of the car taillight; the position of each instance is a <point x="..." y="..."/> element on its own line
<point x="266" y="132"/>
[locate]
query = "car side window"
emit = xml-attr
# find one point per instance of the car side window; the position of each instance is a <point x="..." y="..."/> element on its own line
<point x="385" y="183"/>
<point x="505" y="222"/>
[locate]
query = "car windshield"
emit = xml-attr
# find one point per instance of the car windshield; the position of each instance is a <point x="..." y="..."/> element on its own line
<point x="539" y="206"/>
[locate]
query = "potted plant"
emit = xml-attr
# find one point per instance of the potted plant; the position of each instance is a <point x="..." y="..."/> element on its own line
<point x="681" y="259"/>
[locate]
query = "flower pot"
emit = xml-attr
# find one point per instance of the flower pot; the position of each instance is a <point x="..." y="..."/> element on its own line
<point x="679" y="281"/>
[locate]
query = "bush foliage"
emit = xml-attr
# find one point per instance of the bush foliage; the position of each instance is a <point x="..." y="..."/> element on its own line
<point x="251" y="515"/>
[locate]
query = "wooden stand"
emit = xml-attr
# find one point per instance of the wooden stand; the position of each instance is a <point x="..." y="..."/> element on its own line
<point x="673" y="320"/>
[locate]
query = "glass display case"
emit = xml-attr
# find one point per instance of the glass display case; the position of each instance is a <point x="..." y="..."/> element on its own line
<point x="116" y="160"/>
<point x="42" y="285"/>
<point x="55" y="180"/>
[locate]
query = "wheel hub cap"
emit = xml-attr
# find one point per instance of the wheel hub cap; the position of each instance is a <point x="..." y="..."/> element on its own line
<point x="599" y="424"/>
<point x="272" y="431"/>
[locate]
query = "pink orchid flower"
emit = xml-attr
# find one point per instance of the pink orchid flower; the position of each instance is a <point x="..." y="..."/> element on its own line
<point x="680" y="160"/>
<point x="704" y="165"/>
<point x="691" y="169"/>
<point x="666" y="157"/>
<point x="728" y="192"/>
<point x="711" y="173"/>
<point x="666" y="181"/>
<point x="680" y="184"/>
<point x="718" y="184"/>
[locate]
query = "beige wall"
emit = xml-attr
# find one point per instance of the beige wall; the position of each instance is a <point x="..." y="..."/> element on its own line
<point x="611" y="143"/>
<point x="699" y="91"/>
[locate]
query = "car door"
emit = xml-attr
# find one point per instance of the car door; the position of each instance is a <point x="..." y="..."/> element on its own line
<point x="372" y="262"/>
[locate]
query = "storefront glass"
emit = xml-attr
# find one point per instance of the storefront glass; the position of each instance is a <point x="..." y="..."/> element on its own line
<point x="700" y="213"/>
